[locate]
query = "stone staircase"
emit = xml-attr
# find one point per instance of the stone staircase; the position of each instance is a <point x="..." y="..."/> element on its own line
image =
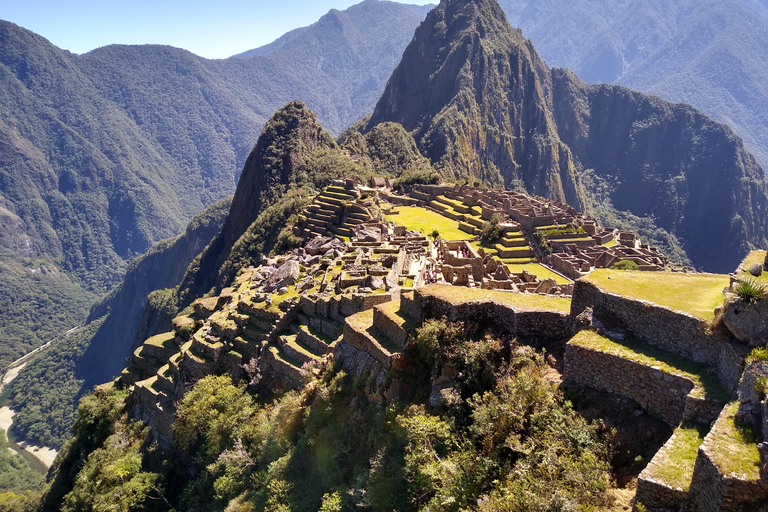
<point x="333" y="212"/>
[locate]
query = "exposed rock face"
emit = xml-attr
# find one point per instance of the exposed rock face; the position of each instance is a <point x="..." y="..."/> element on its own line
<point x="747" y="321"/>
<point x="476" y="96"/>
<point x="669" y="162"/>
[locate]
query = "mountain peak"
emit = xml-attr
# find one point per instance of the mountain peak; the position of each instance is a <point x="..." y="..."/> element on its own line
<point x="476" y="95"/>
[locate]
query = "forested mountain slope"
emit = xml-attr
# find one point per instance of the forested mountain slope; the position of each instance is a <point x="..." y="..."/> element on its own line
<point x="106" y="153"/>
<point x="709" y="53"/>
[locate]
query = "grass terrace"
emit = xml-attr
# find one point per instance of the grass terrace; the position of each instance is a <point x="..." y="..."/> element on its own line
<point x="539" y="270"/>
<point x="734" y="447"/>
<point x="705" y="382"/>
<point x="164" y="340"/>
<point x="695" y="294"/>
<point x="752" y="258"/>
<point x="392" y="311"/>
<point x="517" y="301"/>
<point x="612" y="243"/>
<point x="420" y="219"/>
<point x="679" y="457"/>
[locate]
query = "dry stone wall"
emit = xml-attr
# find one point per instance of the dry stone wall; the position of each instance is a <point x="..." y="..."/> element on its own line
<point x="529" y="324"/>
<point x="664" y="395"/>
<point x="673" y="331"/>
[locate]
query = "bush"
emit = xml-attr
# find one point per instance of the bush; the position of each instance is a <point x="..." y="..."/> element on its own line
<point x="491" y="232"/>
<point x="758" y="354"/>
<point x="749" y="290"/>
<point x="625" y="265"/>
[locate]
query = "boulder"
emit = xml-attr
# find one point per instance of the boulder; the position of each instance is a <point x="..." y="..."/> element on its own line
<point x="750" y="406"/>
<point x="765" y="262"/>
<point x="369" y="234"/>
<point x="747" y="321"/>
<point x="284" y="276"/>
<point x="756" y="270"/>
<point x="374" y="282"/>
<point x="314" y="246"/>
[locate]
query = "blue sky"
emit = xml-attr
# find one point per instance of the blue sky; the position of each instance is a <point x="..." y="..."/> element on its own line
<point x="212" y="29"/>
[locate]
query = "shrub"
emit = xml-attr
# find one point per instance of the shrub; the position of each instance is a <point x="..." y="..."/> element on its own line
<point x="491" y="232"/>
<point x="749" y="290"/>
<point x="625" y="265"/>
<point x="758" y="354"/>
<point x="435" y="234"/>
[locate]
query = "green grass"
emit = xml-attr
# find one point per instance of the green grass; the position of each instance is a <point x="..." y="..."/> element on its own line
<point x="420" y="219"/>
<point x="518" y="301"/>
<point x="676" y="469"/>
<point x="695" y="294"/>
<point x="164" y="340"/>
<point x="393" y="312"/>
<point x="612" y="243"/>
<point x="734" y="448"/>
<point x="539" y="270"/>
<point x="752" y="258"/>
<point x="706" y="385"/>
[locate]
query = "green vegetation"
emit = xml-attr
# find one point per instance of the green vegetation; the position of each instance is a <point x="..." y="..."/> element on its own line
<point x="749" y="290"/>
<point x="752" y="258"/>
<point x="517" y="301"/>
<point x="539" y="270"/>
<point x="15" y="474"/>
<point x="705" y="382"/>
<point x="491" y="232"/>
<point x="38" y="304"/>
<point x="625" y="265"/>
<point x="758" y="354"/>
<point x="676" y="469"/>
<point x="734" y="447"/>
<point x="504" y="439"/>
<point x="419" y="219"/>
<point x="45" y="393"/>
<point x="696" y="294"/>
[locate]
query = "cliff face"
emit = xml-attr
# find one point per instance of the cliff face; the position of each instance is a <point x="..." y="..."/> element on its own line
<point x="668" y="162"/>
<point x="477" y="97"/>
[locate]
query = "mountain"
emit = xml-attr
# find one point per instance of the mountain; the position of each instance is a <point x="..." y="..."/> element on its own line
<point x="106" y="153"/>
<point x="477" y="97"/>
<point x="475" y="94"/>
<point x="709" y="53"/>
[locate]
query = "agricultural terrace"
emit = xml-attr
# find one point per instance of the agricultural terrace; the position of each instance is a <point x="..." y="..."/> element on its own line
<point x="706" y="385"/>
<point x="539" y="271"/>
<point x="457" y="295"/>
<point x="695" y="294"/>
<point x="426" y="221"/>
<point x="752" y="258"/>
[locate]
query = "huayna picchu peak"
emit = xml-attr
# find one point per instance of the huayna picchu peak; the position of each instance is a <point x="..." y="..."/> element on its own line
<point x="480" y="102"/>
<point x="503" y="290"/>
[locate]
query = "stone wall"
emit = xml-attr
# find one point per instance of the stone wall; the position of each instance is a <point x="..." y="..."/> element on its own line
<point x="390" y="328"/>
<point x="653" y="492"/>
<point x="673" y="331"/>
<point x="713" y="491"/>
<point x="532" y="324"/>
<point x="662" y="394"/>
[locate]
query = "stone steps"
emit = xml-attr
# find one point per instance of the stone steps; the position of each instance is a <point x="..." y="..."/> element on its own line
<point x="282" y="365"/>
<point x="394" y="323"/>
<point x="296" y="350"/>
<point x="330" y="200"/>
<point x="514" y="242"/>
<point x="316" y="341"/>
<point x="360" y="333"/>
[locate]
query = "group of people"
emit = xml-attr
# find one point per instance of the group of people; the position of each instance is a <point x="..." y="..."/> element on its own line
<point x="463" y="251"/>
<point x="430" y="274"/>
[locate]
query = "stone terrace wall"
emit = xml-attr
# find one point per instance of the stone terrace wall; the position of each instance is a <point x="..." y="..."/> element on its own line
<point x="533" y="324"/>
<point x="664" y="395"/>
<point x="673" y="331"/>
<point x="655" y="493"/>
<point x="712" y="491"/>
